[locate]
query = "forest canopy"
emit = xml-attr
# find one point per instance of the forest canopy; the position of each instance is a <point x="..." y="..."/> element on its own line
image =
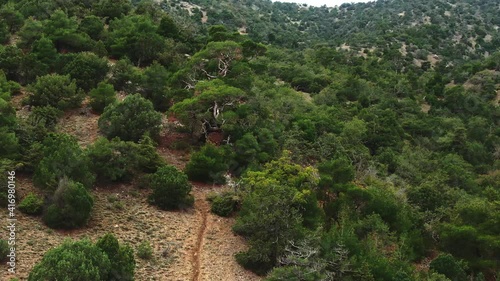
<point x="360" y="142"/>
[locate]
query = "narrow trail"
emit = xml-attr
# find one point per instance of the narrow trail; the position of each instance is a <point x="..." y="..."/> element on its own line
<point x="203" y="208"/>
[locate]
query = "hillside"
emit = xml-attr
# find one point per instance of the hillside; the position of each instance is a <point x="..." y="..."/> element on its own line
<point x="452" y="30"/>
<point x="189" y="140"/>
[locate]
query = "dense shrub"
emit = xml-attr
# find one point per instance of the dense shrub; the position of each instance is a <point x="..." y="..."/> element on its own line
<point x="101" y="96"/>
<point x="71" y="206"/>
<point x="208" y="164"/>
<point x="447" y="265"/>
<point x="62" y="157"/>
<point x="31" y="204"/>
<point x="225" y="204"/>
<point x="130" y="119"/>
<point x="118" y="160"/>
<point x="171" y="189"/>
<point x="55" y="90"/>
<point x="121" y="257"/>
<point x="87" y="69"/>
<point x="79" y="260"/>
<point x="144" y="250"/>
<point x="4" y="249"/>
<point x="45" y="116"/>
<point x="125" y="76"/>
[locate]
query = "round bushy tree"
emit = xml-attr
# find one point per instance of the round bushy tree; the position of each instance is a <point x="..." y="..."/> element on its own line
<point x="208" y="164"/>
<point x="92" y="25"/>
<point x="447" y="265"/>
<point x="45" y="116"/>
<point x="71" y="206"/>
<point x="55" y="90"/>
<point x="62" y="157"/>
<point x="130" y="119"/>
<point x="31" y="204"/>
<point x="225" y="204"/>
<point x="80" y="260"/>
<point x="121" y="257"/>
<point x="101" y="96"/>
<point x="87" y="69"/>
<point x="171" y="188"/>
<point x="125" y="76"/>
<point x="118" y="160"/>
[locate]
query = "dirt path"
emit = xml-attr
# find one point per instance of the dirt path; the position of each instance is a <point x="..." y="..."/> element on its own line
<point x="203" y="209"/>
<point x="212" y="243"/>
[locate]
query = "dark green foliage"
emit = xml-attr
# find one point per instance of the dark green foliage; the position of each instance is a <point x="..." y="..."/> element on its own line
<point x="394" y="102"/>
<point x="118" y="160"/>
<point x="101" y="96"/>
<point x="10" y="61"/>
<point x="87" y="69"/>
<point x="447" y="265"/>
<point x="121" y="257"/>
<point x="73" y="260"/>
<point x="154" y="86"/>
<point x="168" y="28"/>
<point x="338" y="171"/>
<point x="4" y="249"/>
<point x="45" y="116"/>
<point x="62" y="30"/>
<point x="124" y="76"/>
<point x="62" y="157"/>
<point x="11" y="18"/>
<point x="144" y="250"/>
<point x="5" y="167"/>
<point x="55" y="90"/>
<point x="135" y="37"/>
<point x="225" y="204"/>
<point x="93" y="26"/>
<point x="111" y="9"/>
<point x="32" y="204"/>
<point x="70" y="206"/>
<point x="270" y="220"/>
<point x="45" y="52"/>
<point x="208" y="165"/>
<point x="130" y="119"/>
<point x="277" y="210"/>
<point x="171" y="189"/>
<point x="4" y="33"/>
<point x="10" y="142"/>
<point x="474" y="227"/>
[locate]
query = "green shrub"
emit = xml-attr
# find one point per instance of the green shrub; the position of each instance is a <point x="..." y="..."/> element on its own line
<point x="87" y="69"/>
<point x="31" y="204"/>
<point x="171" y="189"/>
<point x="101" y="96"/>
<point x="121" y="257"/>
<point x="447" y="265"/>
<point x="45" y="116"/>
<point x="55" y="90"/>
<point x="4" y="249"/>
<point x="208" y="164"/>
<point x="225" y="204"/>
<point x="73" y="260"/>
<point x="62" y="157"/>
<point x="253" y="261"/>
<point x="131" y="119"/>
<point x="118" y="160"/>
<point x="144" y="250"/>
<point x="71" y="206"/>
<point x="124" y="76"/>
